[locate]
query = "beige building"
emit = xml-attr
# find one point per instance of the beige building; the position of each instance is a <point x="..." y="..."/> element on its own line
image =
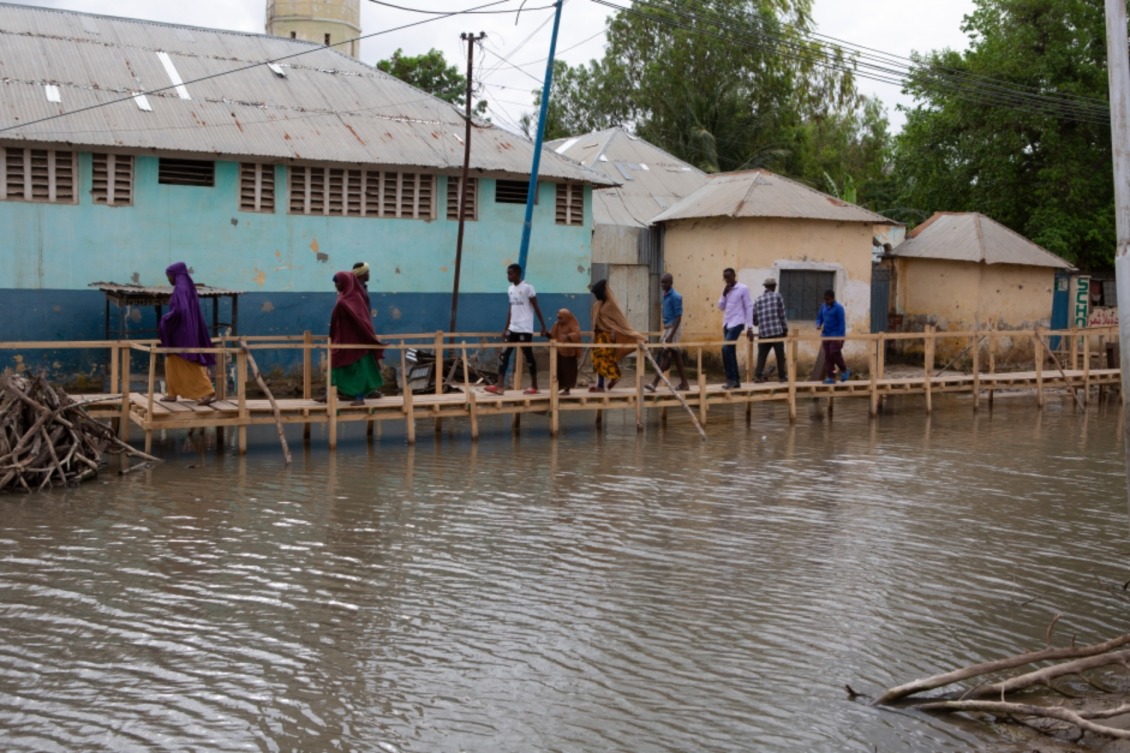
<point x="764" y="225"/>
<point x="964" y="272"/>
<point x="625" y="246"/>
<point x="334" y="23"/>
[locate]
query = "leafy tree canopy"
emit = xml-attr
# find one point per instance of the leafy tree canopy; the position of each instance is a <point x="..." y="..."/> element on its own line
<point x="1016" y="127"/>
<point x="728" y="85"/>
<point x="431" y="73"/>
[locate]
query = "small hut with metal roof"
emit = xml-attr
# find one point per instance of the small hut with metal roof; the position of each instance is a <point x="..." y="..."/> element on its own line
<point x="962" y="271"/>
<point x="625" y="247"/>
<point x="764" y="225"/>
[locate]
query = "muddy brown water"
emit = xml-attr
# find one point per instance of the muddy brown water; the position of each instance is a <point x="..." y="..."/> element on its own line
<point x="607" y="591"/>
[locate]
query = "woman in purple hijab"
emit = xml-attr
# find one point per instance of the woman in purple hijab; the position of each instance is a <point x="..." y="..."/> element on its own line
<point x="186" y="374"/>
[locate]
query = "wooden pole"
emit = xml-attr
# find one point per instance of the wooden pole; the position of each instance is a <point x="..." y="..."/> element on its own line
<point x="123" y="426"/>
<point x="554" y="392"/>
<point x="677" y="394"/>
<point x="308" y="377"/>
<point x="409" y="410"/>
<point x="702" y="401"/>
<point x="149" y="405"/>
<point x="992" y="358"/>
<point x="639" y="384"/>
<point x="437" y="374"/>
<point x="873" y="369"/>
<point x="931" y="343"/>
<point x="270" y="398"/>
<point x="1066" y="379"/>
<point x="1038" y="357"/>
<point x="241" y="390"/>
<point x="793" y="349"/>
<point x="1086" y="367"/>
<point x="331" y="398"/>
<point x="977" y="374"/>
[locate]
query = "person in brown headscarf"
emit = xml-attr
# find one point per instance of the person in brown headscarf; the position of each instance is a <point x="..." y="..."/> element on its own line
<point x="566" y="330"/>
<point x="609" y="325"/>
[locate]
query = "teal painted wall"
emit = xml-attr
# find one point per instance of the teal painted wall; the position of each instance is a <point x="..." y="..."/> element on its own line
<point x="59" y="246"/>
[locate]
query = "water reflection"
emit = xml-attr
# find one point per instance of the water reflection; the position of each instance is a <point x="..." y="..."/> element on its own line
<point x="608" y="591"/>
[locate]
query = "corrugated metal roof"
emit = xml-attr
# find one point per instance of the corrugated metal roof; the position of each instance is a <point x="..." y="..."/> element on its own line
<point x="650" y="179"/>
<point x="327" y="108"/>
<point x="970" y="236"/>
<point x="760" y="193"/>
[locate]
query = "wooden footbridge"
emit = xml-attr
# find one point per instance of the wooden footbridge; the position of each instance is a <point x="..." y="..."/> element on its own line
<point x="1081" y="365"/>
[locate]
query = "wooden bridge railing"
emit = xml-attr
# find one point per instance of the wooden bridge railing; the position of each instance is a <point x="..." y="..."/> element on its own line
<point x="866" y="355"/>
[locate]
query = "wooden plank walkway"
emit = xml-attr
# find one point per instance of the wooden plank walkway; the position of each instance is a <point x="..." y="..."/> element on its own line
<point x="473" y="403"/>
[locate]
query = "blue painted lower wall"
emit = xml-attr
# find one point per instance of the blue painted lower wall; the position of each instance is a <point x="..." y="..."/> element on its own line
<point x="69" y="315"/>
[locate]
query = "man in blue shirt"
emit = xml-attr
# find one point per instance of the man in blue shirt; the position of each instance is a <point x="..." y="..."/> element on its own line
<point x="832" y="323"/>
<point x="672" y="320"/>
<point x="737" y="315"/>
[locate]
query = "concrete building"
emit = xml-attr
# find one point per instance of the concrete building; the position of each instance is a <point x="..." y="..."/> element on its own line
<point x="266" y="164"/>
<point x="964" y="272"/>
<point x="764" y="225"/>
<point x="333" y="23"/>
<point x="625" y="246"/>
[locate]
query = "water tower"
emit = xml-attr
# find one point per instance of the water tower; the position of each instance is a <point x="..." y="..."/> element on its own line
<point x="328" y="22"/>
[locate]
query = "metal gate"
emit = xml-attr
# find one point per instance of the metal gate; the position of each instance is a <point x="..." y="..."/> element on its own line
<point x="880" y="298"/>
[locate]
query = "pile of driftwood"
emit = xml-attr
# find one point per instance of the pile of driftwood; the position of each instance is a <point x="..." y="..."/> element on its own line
<point x="1072" y="692"/>
<point x="46" y="438"/>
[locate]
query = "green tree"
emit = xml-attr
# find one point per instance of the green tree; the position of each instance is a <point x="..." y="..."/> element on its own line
<point x="727" y="85"/>
<point x="431" y="73"/>
<point x="1015" y="127"/>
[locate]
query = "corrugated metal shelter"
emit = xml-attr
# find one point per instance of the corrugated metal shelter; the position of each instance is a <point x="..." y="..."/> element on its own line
<point x="764" y="225"/>
<point x="760" y="193"/>
<point x="266" y="164"/>
<point x="127" y="83"/>
<point x="973" y="237"/>
<point x="625" y="247"/>
<point x="965" y="271"/>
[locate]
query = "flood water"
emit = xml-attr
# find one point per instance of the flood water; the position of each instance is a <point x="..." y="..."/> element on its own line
<point x="607" y="591"/>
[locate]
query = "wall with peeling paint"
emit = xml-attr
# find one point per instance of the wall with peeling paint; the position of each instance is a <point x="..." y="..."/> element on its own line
<point x="696" y="252"/>
<point x="284" y="262"/>
<point x="964" y="296"/>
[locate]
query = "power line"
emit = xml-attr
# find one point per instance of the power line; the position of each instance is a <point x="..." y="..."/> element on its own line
<point x="865" y="62"/>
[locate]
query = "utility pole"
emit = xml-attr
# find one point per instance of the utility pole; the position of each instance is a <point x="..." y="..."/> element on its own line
<point x="1118" y="72"/>
<point x="524" y="249"/>
<point x="470" y="39"/>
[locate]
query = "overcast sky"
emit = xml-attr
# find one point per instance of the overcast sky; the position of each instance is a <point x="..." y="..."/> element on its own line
<point x="512" y="62"/>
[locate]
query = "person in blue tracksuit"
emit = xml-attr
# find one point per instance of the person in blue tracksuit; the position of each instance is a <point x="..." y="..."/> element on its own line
<point x="832" y="323"/>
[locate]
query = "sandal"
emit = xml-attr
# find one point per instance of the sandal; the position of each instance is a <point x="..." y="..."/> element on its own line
<point x="594" y="388"/>
<point x="208" y="400"/>
<point x="530" y="391"/>
<point x="168" y="398"/>
<point x="612" y="384"/>
<point x="493" y="389"/>
<point x="649" y="387"/>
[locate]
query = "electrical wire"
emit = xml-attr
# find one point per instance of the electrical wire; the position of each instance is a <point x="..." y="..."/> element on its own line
<point x="867" y="63"/>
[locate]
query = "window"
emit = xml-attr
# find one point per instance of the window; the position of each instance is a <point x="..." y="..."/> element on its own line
<point x="256" y="187"/>
<point x="803" y="291"/>
<point x="570" y="204"/>
<point x="112" y="179"/>
<point x="471" y="206"/>
<point x="38" y="175"/>
<point x="186" y="172"/>
<point x="511" y="191"/>
<point x="346" y="192"/>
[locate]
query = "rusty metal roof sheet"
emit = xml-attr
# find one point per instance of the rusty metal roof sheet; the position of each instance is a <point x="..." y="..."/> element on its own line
<point x="327" y="107"/>
<point x="651" y="180"/>
<point x="970" y="236"/>
<point x="760" y="193"/>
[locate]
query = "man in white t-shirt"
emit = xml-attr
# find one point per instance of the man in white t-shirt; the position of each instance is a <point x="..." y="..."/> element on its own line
<point x="519" y="329"/>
